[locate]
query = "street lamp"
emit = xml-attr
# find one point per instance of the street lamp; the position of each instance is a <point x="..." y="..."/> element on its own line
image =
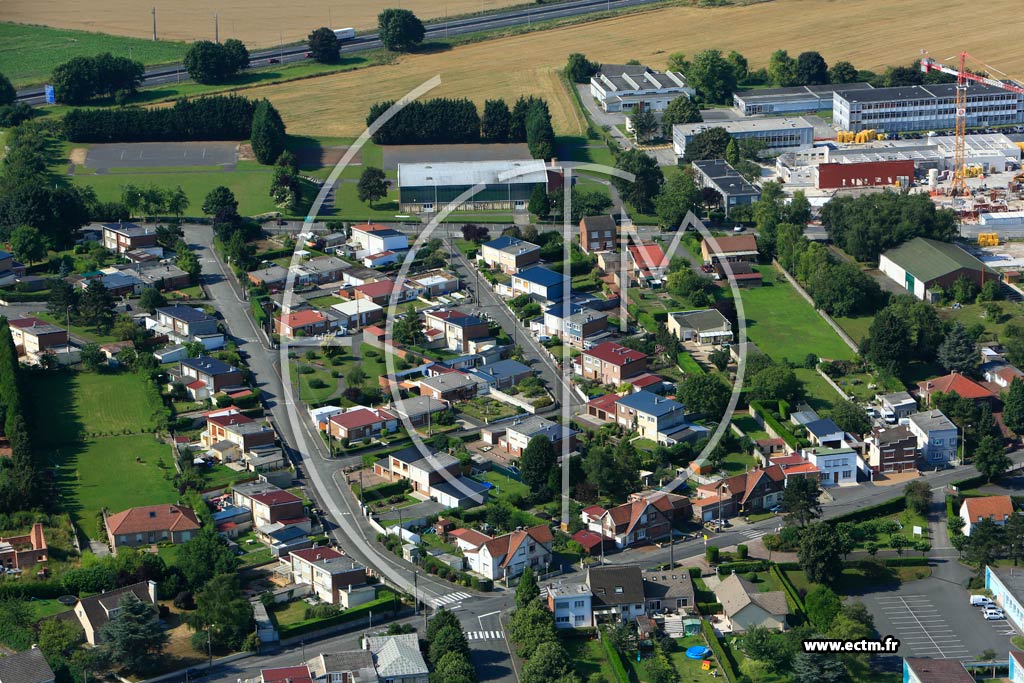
<point x="209" y="645"/>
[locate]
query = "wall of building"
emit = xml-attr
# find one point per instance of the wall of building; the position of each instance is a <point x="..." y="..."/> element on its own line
<point x="868" y="174"/>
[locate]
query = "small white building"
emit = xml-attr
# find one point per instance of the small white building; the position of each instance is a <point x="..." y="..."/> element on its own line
<point x="936" y="437"/>
<point x="570" y="604"/>
<point x="995" y="508"/>
<point x="619" y="87"/>
<point x="838" y="466"/>
<point x="897" y="406"/>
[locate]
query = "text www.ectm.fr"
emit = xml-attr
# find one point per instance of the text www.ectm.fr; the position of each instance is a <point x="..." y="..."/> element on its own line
<point x="887" y="644"/>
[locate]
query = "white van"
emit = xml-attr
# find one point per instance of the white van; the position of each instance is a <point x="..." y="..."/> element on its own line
<point x="982" y="601"/>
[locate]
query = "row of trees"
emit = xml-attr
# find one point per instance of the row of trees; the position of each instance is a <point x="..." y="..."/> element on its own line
<point x="448" y="649"/>
<point x="154" y="200"/>
<point x="448" y="121"/>
<point x="868" y="225"/>
<point x="210" y="62"/>
<point x="83" y="78"/>
<point x="532" y="629"/>
<point x="218" y="117"/>
<point x="21" y="484"/>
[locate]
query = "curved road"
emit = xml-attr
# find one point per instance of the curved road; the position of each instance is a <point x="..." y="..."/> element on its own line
<point x="174" y="73"/>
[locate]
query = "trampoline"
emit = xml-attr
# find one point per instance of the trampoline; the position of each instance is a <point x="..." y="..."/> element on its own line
<point x="697" y="652"/>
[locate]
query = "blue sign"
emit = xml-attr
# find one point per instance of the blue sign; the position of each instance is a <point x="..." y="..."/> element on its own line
<point x="50" y="99"/>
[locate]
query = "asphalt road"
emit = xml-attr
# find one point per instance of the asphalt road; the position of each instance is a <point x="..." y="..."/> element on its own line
<point x="175" y="73"/>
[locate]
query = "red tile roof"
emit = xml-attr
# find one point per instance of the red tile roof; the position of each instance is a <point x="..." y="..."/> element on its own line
<point x="447" y="315"/>
<point x="287" y="674"/>
<point x="370" y="227"/>
<point x="996" y="507"/>
<point x="361" y="417"/>
<point x="376" y="289"/>
<point x="506" y="546"/>
<point x="373" y="257"/>
<point x="303" y="318"/>
<point x="471" y="536"/>
<point x="616" y="354"/>
<point x="375" y="331"/>
<point x="153" y="518"/>
<point x="276" y="498"/>
<point x="229" y="420"/>
<point x="22" y="323"/>
<point x="965" y="387"/>
<point x="588" y="539"/>
<point x="593" y="511"/>
<point x="645" y="380"/>
<point x="605" y="402"/>
<point x="648" y="256"/>
<point x="316" y="554"/>
<point x="198" y="384"/>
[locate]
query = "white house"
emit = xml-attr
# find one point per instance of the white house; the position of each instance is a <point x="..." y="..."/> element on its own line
<point x="624" y="86"/>
<point x="570" y="603"/>
<point x="936" y="436"/>
<point x="327" y="571"/>
<point x="838" y="466"/>
<point x="996" y="508"/>
<point x="897" y="406"/>
<point x="375" y="239"/>
<point x="505" y="557"/>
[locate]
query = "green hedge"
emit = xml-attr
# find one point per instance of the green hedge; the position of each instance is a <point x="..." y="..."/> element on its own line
<point x="615" y="659"/>
<point x="724" y="658"/>
<point x="695" y="572"/>
<point x="776" y="426"/>
<point x="741" y="567"/>
<point x="24" y="297"/>
<point x="792" y="594"/>
<point x="881" y="510"/>
<point x="906" y="561"/>
<point x="385" y="598"/>
<point x="971" y="482"/>
<point x="709" y="607"/>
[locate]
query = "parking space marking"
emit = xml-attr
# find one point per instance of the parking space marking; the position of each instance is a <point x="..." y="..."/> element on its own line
<point x="922" y="628"/>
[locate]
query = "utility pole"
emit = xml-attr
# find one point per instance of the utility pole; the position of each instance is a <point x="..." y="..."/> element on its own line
<point x="416" y="590"/>
<point x="154" y="23"/>
<point x="330" y="21"/>
<point x="216" y="28"/>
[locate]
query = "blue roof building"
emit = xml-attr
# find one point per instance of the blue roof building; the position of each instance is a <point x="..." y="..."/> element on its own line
<point x="540" y="281"/>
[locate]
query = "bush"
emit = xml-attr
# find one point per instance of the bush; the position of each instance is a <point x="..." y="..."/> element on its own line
<point x="185" y="600"/>
<point x="741" y="551"/>
<point x="711" y="554"/>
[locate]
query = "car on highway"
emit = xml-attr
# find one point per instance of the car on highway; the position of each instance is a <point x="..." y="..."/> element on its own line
<point x="273" y="60"/>
<point x="309" y="55"/>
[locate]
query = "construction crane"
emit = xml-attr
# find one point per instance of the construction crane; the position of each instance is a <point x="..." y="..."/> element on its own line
<point x="963" y="77"/>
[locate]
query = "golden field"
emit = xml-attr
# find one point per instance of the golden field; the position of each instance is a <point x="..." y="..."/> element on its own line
<point x="529" y="63"/>
<point x="258" y="23"/>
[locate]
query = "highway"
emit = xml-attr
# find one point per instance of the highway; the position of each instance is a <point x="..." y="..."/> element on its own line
<point x="175" y="73"/>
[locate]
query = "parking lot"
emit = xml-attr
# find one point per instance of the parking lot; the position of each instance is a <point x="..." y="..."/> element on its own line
<point x="932" y="618"/>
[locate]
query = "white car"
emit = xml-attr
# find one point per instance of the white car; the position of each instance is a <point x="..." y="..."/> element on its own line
<point x="993" y="613"/>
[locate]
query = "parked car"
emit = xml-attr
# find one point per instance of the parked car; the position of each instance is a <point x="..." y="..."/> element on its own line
<point x="993" y="613"/>
<point x="982" y="601"/>
<point x="738" y="228"/>
<point x="775" y="509"/>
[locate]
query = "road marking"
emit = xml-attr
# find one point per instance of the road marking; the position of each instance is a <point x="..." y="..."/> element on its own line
<point x="485" y="635"/>
<point x="448" y="599"/>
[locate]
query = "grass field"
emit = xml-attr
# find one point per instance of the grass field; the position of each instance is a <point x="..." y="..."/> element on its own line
<point x="784" y="325"/>
<point x="496" y="68"/>
<point x="29" y="53"/>
<point x="95" y="436"/>
<point x="817" y="392"/>
<point x="251" y="187"/>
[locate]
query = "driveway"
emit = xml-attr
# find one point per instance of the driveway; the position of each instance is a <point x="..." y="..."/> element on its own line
<point x="416" y="511"/>
<point x="602" y="118"/>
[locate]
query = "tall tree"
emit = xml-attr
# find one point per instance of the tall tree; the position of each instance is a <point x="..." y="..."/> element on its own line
<point x="850" y="417"/>
<point x="888" y="344"/>
<point x="579" y="69"/>
<point x="530" y="627"/>
<point x="640" y="193"/>
<point x="985" y="544"/>
<point x="1014" y="535"/>
<point x="712" y="76"/>
<point x="1013" y="406"/>
<point x="782" y="69"/>
<point x="209" y="62"/>
<point x="223" y="610"/>
<point x="708" y="144"/>
<point x="549" y="664"/>
<point x="399" y="30"/>
<point x="842" y="72"/>
<point x="496" y="124"/>
<point x="801" y="500"/>
<point x="644" y="124"/>
<point x="134" y="637"/>
<point x="96" y="305"/>
<point x="823" y="606"/>
<point x="206" y="555"/>
<point x="7" y="92"/>
<point x="678" y="196"/>
<point x="818" y="668"/>
<point x="680" y="110"/>
<point x="957" y="353"/>
<point x="704" y="394"/>
<point x="268" y="135"/>
<point x="28" y="244"/>
<point x="819" y="553"/>
<point x="527" y="592"/>
<point x="990" y="458"/>
<point x="238" y="54"/>
<point x="324" y="46"/>
<point x="220" y="202"/>
<point x="777" y="382"/>
<point x="536" y="464"/>
<point x="811" y="69"/>
<point x="732" y="153"/>
<point x="453" y="668"/>
<point x="373" y="185"/>
<point x="918" y="496"/>
<point x="540" y="201"/>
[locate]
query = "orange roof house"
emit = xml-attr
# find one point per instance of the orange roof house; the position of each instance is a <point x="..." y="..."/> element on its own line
<point x="151" y="524"/>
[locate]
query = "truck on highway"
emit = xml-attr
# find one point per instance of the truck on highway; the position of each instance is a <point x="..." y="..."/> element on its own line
<point x="345" y="33"/>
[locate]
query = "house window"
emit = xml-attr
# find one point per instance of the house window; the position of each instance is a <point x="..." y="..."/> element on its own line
<point x="578" y="604"/>
<point x="562" y="620"/>
<point x="618" y="589"/>
<point x="682" y="602"/>
<point x="579" y="618"/>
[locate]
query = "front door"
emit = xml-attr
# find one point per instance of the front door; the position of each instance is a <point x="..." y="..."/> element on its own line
<point x="835" y="477"/>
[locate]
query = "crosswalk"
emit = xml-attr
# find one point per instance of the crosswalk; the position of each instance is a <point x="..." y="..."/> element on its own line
<point x="485" y="635"/>
<point x="752" y="534"/>
<point x="449" y="599"/>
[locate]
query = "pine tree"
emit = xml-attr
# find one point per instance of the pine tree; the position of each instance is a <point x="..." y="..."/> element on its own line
<point x="732" y="153"/>
<point x="134" y="637"/>
<point x="268" y="133"/>
<point x="957" y="351"/>
<point x="1013" y="407"/>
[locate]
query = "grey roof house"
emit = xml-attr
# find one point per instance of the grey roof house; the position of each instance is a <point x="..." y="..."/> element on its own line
<point x="706" y="326"/>
<point x="744" y="605"/>
<point x="26" y="667"/>
<point x="397" y="658"/>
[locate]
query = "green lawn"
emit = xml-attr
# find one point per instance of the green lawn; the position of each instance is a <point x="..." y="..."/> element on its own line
<point x="854" y="581"/>
<point x="80" y="404"/>
<point x="187" y="293"/>
<point x="90" y="334"/>
<point x="504" y="486"/>
<point x="738" y="463"/>
<point x="310" y="394"/>
<point x="784" y="325"/>
<point x="750" y="427"/>
<point x="348" y="207"/>
<point x="579" y="148"/>
<point x="97" y="475"/>
<point x="818" y="393"/>
<point x="219" y="476"/>
<point x="487" y="409"/>
<point x="373" y="367"/>
<point x="857" y="328"/>
<point x="41" y="609"/>
<point x="251" y="186"/>
<point x="325" y="301"/>
<point x="29" y="53"/>
<point x="589" y="658"/>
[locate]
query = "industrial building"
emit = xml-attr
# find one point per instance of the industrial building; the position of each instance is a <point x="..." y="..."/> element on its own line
<point x="993" y="153"/>
<point x="867" y="174"/>
<point x="923" y="266"/>
<point x="778" y="134"/>
<point x="924" y="108"/>
<point x="802" y="99"/>
<point x="718" y="175"/>
<point x="492" y="185"/>
<point x="618" y="87"/>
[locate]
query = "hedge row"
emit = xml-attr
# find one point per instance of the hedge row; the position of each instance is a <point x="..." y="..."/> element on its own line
<point x="971" y="482"/>
<point x="218" y="117"/>
<point x="742" y="567"/>
<point x="881" y="510"/>
<point x="776" y="426"/>
<point x="709" y="607"/>
<point x="724" y="658"/>
<point x="615" y="659"/>
<point x="792" y="594"/>
<point x="386" y="599"/>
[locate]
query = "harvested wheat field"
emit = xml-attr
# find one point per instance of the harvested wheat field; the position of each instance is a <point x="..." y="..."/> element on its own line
<point x="258" y="23"/>
<point x="529" y="63"/>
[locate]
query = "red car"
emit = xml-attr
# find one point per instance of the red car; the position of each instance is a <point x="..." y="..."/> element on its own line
<point x="273" y="60"/>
